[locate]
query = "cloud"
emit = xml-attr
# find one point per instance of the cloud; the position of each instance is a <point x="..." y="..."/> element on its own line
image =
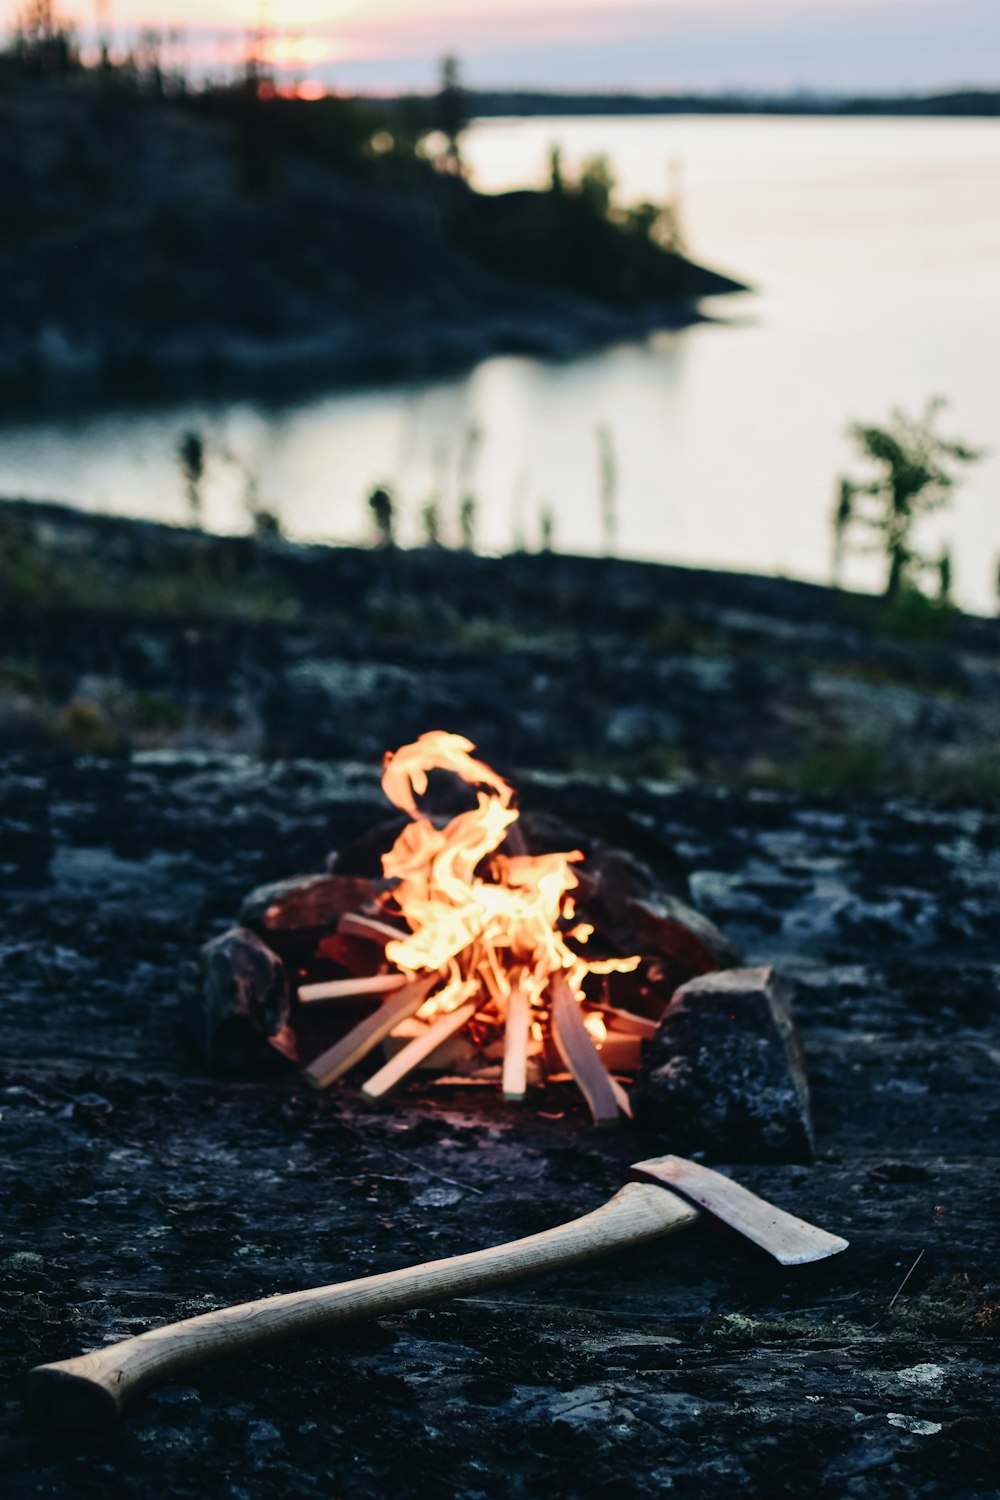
<point x="764" y="44"/>
<point x="645" y="44"/>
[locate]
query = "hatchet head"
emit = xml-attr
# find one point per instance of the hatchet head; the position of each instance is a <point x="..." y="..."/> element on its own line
<point x="790" y="1240"/>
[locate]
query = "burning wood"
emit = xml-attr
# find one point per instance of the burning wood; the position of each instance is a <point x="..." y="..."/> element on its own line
<point x="352" y="925"/>
<point x="375" y="1028"/>
<point x="466" y="945"/>
<point x="415" y="1051"/>
<point x="493" y="938"/>
<point x="575" y="1045"/>
<point x="515" y="1045"/>
<point x="346" y="989"/>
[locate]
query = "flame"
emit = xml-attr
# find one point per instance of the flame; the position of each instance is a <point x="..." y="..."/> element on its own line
<point x="486" y="922"/>
<point x="595" y="1025"/>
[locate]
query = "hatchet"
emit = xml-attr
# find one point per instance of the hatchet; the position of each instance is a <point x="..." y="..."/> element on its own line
<point x="664" y="1195"/>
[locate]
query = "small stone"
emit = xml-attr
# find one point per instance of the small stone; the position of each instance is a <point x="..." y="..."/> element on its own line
<point x="675" y="930"/>
<point x="310" y="903"/>
<point x="621" y="897"/>
<point x="362" y="857"/>
<point x="242" y="1001"/>
<point x="724" y="1073"/>
<point x="913" y="1424"/>
<point x="24" y="1260"/>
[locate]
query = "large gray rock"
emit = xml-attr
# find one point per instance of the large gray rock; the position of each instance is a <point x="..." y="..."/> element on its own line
<point x="724" y="1073"/>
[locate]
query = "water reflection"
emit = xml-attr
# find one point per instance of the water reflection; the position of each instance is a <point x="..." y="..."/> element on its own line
<point x="874" y="244"/>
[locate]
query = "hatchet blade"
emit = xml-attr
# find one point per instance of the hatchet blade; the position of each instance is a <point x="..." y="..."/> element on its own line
<point x="791" y="1241"/>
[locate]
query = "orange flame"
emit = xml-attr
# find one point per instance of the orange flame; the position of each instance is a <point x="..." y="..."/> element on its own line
<point x="488" y="923"/>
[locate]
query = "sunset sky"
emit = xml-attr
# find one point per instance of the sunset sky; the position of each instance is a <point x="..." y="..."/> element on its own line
<point x="643" y="44"/>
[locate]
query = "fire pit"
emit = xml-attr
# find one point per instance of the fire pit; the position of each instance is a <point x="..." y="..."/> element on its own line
<point x="489" y="942"/>
<point x="479" y="945"/>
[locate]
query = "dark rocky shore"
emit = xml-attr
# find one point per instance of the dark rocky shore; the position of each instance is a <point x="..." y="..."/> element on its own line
<point x="119" y="634"/>
<point x="151" y="245"/>
<point x="186" y="717"/>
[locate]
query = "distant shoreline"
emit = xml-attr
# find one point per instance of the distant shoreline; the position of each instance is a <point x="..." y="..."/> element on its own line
<point x="959" y="104"/>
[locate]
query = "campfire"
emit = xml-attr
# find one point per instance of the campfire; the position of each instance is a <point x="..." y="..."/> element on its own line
<point x="478" y="936"/>
<point x="488" y="947"/>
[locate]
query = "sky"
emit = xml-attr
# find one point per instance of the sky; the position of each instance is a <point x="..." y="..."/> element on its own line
<point x="649" y="45"/>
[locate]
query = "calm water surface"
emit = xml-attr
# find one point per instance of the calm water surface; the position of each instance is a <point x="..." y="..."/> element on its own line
<point x="874" y="249"/>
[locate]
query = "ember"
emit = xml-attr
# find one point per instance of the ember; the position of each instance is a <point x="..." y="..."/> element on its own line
<point x="492" y="944"/>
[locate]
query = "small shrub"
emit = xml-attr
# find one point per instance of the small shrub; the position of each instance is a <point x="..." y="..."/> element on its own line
<point x="90" y="730"/>
<point x="841" y="766"/>
<point x="21" y="677"/>
<point x="154" y="714"/>
<point x="912" y="615"/>
<point x="914" y="473"/>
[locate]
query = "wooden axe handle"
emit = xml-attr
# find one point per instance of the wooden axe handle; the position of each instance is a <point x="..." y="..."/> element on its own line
<point x="94" y="1389"/>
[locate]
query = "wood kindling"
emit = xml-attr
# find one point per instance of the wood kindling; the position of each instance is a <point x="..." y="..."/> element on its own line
<point x="374" y="1029"/>
<point x="346" y="989"/>
<point x="413" y="1054"/>
<point x="353" y="925"/>
<point x="620" y="1051"/>
<point x="627" y="1020"/>
<point x="515" y="1045"/>
<point x="576" y="1047"/>
<point x="621" y="1094"/>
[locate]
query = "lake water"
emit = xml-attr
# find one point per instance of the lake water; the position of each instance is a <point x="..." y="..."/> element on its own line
<point x="874" y="249"/>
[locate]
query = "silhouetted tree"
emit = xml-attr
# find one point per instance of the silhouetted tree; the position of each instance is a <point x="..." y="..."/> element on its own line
<point x="191" y="456"/>
<point x="842" y="513"/>
<point x="557" y="183"/>
<point x="430" y="511"/>
<point x="149" y="61"/>
<point x="256" y="156"/>
<point x="380" y="504"/>
<point x="467" y="523"/>
<point x="467" y="499"/>
<point x="430" y="520"/>
<point x="608" y="483"/>
<point x="519" y="539"/>
<point x="43" y="42"/>
<point x="451" y="114"/>
<point x="597" y="184"/>
<point x="914" y="478"/>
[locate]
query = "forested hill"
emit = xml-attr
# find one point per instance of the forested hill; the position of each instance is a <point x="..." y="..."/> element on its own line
<point x="231" y="236"/>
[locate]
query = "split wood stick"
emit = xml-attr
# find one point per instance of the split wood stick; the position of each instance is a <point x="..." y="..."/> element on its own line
<point x="412" y="1055"/>
<point x="346" y="989"/>
<point x="491" y="1075"/>
<point x="353" y="925"/>
<point x="576" y="1047"/>
<point x="621" y="1094"/>
<point x="451" y="1051"/>
<point x="515" y="1045"/>
<point x="619" y="1051"/>
<point x="627" y="1020"/>
<point x="372" y="1030"/>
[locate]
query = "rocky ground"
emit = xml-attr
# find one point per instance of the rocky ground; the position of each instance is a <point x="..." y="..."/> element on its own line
<point x="118" y="634"/>
<point x="136" y="1188"/>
